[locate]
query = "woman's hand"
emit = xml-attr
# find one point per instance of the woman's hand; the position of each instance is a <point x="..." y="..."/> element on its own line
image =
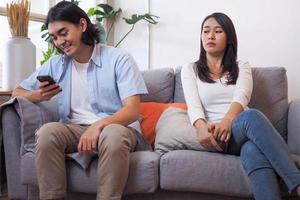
<point x="205" y="136"/>
<point x="221" y="130"/>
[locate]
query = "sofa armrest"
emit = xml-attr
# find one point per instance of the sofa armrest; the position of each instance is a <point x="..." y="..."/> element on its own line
<point x="20" y="119"/>
<point x="12" y="143"/>
<point x="293" y="138"/>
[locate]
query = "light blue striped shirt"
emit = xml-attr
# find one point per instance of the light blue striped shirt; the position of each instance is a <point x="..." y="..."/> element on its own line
<point x="112" y="76"/>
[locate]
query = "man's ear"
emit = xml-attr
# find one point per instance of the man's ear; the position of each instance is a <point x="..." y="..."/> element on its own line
<point x="83" y="24"/>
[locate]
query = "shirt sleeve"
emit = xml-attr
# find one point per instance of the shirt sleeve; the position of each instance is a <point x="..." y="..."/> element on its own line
<point x="129" y="78"/>
<point x="191" y="95"/>
<point x="31" y="83"/>
<point x="244" y="85"/>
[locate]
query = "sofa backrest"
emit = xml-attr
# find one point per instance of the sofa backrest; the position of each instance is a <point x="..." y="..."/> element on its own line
<point x="160" y="85"/>
<point x="270" y="95"/>
<point x="269" y="91"/>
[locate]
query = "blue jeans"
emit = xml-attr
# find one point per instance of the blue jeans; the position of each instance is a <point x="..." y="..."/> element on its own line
<point x="263" y="153"/>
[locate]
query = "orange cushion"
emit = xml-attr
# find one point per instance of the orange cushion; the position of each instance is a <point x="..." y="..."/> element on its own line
<point x="151" y="112"/>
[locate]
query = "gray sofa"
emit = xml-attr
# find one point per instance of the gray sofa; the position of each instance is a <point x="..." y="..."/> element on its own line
<point x="181" y="174"/>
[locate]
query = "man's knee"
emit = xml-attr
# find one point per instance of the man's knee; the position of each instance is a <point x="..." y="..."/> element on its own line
<point x="115" y="138"/>
<point x="48" y="134"/>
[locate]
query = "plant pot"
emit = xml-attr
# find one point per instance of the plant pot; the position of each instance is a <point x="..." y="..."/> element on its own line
<point x="19" y="61"/>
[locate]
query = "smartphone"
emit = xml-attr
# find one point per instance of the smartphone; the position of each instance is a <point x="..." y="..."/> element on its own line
<point x="48" y="78"/>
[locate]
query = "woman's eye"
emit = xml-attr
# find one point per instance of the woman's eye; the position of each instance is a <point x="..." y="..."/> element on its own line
<point x="205" y="31"/>
<point x="219" y="31"/>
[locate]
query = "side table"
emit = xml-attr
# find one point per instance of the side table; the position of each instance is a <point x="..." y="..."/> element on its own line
<point x="4" y="95"/>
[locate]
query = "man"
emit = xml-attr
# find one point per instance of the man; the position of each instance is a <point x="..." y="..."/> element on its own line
<point x="97" y="88"/>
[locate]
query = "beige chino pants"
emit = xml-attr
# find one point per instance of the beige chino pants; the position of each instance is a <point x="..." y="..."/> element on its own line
<point x="56" y="139"/>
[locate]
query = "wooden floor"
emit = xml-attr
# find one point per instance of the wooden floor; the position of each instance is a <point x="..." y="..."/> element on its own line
<point x="4" y="198"/>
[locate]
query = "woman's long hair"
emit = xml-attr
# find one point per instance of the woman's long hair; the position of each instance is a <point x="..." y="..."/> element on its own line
<point x="69" y="12"/>
<point x="229" y="61"/>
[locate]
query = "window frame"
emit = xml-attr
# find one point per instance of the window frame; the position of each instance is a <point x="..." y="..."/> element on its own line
<point x="32" y="16"/>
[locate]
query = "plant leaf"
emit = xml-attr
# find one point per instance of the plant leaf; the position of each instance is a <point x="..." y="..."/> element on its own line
<point x="106" y="8"/>
<point x="76" y="2"/>
<point x="49" y="39"/>
<point x="150" y="18"/>
<point x="51" y="51"/>
<point x="91" y="12"/>
<point x="43" y="27"/>
<point x="45" y="34"/>
<point x="104" y="11"/>
<point x="99" y="12"/>
<point x="136" y="18"/>
<point x="118" y="12"/>
<point x="99" y="19"/>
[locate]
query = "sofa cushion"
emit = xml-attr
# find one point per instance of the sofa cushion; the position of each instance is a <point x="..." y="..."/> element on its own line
<point x="160" y="85"/>
<point x="269" y="94"/>
<point x="151" y="112"/>
<point x="143" y="174"/>
<point x="194" y="171"/>
<point x="209" y="173"/>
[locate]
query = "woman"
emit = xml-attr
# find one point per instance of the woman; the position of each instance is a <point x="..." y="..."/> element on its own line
<point x="217" y="90"/>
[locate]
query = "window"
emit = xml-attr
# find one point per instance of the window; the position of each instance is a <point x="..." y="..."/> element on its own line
<point x="37" y="6"/>
<point x="38" y="13"/>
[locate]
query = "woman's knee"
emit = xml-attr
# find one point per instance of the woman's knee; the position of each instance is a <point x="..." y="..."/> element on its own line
<point x="252" y="114"/>
<point x="247" y="119"/>
<point x="248" y="150"/>
<point x="252" y="158"/>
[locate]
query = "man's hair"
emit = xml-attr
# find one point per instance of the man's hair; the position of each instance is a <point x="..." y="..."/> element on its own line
<point x="229" y="61"/>
<point x="69" y="12"/>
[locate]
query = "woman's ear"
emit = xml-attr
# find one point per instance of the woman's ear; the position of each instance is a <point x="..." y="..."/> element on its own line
<point x="83" y="24"/>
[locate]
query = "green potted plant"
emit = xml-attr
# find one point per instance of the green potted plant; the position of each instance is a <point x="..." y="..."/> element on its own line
<point x="100" y="13"/>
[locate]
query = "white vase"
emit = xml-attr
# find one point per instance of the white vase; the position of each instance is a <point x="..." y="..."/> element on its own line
<point x="19" y="61"/>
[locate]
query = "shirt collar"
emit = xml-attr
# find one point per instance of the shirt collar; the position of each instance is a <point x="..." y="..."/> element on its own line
<point x="96" y="56"/>
<point x="64" y="60"/>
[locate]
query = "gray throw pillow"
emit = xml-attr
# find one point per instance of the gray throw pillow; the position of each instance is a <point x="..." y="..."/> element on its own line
<point x="270" y="95"/>
<point x="175" y="132"/>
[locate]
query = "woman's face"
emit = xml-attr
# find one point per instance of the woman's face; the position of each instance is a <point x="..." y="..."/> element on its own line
<point x="213" y="37"/>
<point x="67" y="36"/>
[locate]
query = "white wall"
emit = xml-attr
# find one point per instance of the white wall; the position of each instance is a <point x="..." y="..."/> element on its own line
<point x="268" y="33"/>
<point x="137" y="42"/>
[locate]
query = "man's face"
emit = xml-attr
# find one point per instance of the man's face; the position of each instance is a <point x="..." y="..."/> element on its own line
<point x="67" y="36"/>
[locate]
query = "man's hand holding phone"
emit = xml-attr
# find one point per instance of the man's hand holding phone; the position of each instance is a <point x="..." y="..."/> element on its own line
<point x="47" y="88"/>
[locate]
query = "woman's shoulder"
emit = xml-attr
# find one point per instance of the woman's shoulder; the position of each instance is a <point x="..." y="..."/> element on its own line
<point x="244" y="65"/>
<point x="189" y="67"/>
<point x="244" y="68"/>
